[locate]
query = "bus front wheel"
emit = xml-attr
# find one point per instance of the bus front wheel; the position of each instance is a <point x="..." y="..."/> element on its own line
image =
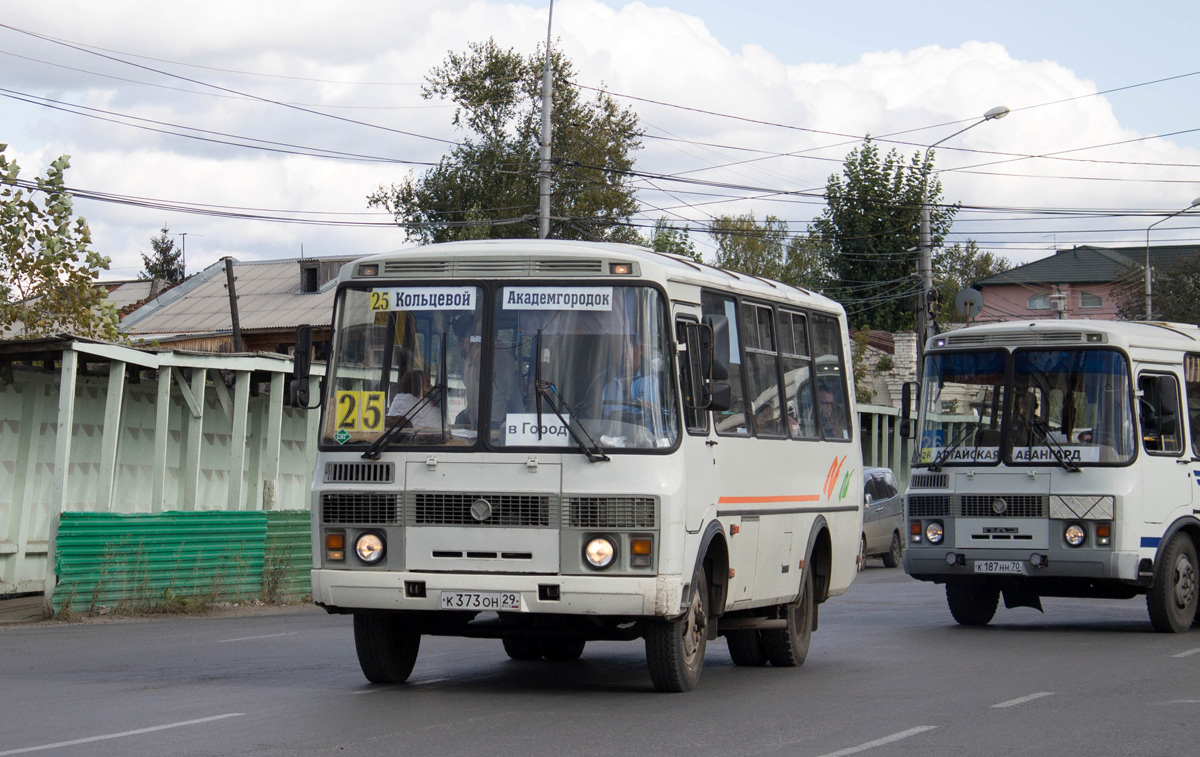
<point x="522" y="649"/>
<point x="675" y="649"/>
<point x="387" y="647"/>
<point x="787" y="647"/>
<point x="1172" y="600"/>
<point x="972" y="604"/>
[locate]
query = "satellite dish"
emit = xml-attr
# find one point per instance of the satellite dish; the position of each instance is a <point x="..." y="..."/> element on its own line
<point x="968" y="302"/>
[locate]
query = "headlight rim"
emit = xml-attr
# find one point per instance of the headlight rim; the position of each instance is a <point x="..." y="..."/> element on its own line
<point x="612" y="543"/>
<point x="382" y="547"/>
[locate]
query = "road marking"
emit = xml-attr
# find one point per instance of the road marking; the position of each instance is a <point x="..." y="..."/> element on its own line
<point x="252" y="638"/>
<point x="882" y="742"/>
<point x="1023" y="700"/>
<point x="121" y="735"/>
<point x="1188" y="653"/>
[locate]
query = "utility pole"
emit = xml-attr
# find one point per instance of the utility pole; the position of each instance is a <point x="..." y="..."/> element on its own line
<point x="544" y="168"/>
<point x="233" y="311"/>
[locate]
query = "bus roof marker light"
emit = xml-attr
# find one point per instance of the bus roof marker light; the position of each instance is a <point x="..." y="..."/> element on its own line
<point x="368" y="269"/>
<point x="620" y="269"/>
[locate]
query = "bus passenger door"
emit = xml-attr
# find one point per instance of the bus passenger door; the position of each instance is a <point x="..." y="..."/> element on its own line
<point x="697" y="449"/>
<point x="1166" y="483"/>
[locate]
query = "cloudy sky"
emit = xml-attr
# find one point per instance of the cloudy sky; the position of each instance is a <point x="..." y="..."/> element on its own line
<point x="169" y="107"/>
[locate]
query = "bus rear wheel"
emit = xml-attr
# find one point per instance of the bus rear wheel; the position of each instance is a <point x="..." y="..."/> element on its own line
<point x="562" y="650"/>
<point x="746" y="648"/>
<point x="675" y="648"/>
<point x="972" y="604"/>
<point x="1172" y="601"/>
<point x="522" y="649"/>
<point x="387" y="647"/>
<point x="788" y="647"/>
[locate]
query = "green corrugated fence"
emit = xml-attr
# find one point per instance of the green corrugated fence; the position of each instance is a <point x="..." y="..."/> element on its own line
<point x="146" y="561"/>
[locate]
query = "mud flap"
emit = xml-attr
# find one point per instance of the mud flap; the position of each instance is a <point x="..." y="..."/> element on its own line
<point x="1022" y="596"/>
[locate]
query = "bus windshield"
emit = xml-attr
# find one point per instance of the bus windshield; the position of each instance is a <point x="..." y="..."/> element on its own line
<point x="574" y="362"/>
<point x="1072" y="406"/>
<point x="566" y="367"/>
<point x="1061" y="407"/>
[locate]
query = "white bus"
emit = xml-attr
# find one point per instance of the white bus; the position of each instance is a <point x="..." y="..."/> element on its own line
<point x="1059" y="458"/>
<point x="551" y="443"/>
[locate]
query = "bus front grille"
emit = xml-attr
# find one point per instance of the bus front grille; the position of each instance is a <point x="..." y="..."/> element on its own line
<point x="928" y="505"/>
<point x="360" y="507"/>
<point x="1003" y="506"/>
<point x="478" y="509"/>
<point x="609" y="512"/>
<point x="360" y="473"/>
<point x="928" y="481"/>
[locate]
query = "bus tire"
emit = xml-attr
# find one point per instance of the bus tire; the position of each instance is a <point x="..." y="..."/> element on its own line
<point x="562" y="650"/>
<point x="788" y="647"/>
<point x="675" y="648"/>
<point x="891" y="559"/>
<point x="746" y="648"/>
<point x="972" y="604"/>
<point x="387" y="647"/>
<point x="1172" y="600"/>
<point x="522" y="649"/>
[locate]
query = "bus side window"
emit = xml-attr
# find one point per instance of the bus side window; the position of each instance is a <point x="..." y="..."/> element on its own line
<point x="831" y="373"/>
<point x="797" y="376"/>
<point x="695" y="419"/>
<point x="1158" y="413"/>
<point x="732" y="421"/>
<point x="762" y="370"/>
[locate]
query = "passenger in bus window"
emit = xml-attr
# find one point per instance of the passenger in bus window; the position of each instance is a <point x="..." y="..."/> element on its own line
<point x="833" y="417"/>
<point x="411" y="388"/>
<point x="1023" y="418"/>
<point x="633" y="393"/>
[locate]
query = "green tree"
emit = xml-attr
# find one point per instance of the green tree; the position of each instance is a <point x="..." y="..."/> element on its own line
<point x="747" y="246"/>
<point x="668" y="237"/>
<point x="956" y="268"/>
<point x="166" y="262"/>
<point x="1174" y="294"/>
<point x="868" y="230"/>
<point x="487" y="186"/>
<point x="47" y="267"/>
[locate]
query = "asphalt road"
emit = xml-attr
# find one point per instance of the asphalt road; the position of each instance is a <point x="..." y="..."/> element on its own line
<point x="889" y="673"/>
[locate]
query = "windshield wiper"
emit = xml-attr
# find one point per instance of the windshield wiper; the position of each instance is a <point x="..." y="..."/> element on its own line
<point x="548" y="391"/>
<point x="948" y="450"/>
<point x="1052" y="444"/>
<point x="405" y="421"/>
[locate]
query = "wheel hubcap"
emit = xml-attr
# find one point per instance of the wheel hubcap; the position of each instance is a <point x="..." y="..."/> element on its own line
<point x="694" y="628"/>
<point x="1185" y="582"/>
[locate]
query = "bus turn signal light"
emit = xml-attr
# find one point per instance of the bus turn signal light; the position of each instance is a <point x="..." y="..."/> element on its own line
<point x="335" y="547"/>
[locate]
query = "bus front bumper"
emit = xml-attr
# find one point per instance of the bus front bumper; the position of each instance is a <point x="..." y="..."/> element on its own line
<point x="576" y="595"/>
<point x="949" y="563"/>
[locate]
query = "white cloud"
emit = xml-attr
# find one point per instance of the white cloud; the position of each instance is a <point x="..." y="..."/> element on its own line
<point x="651" y="52"/>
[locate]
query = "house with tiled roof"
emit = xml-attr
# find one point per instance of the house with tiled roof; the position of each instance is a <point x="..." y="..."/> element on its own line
<point x="1082" y="282"/>
<point x="273" y="297"/>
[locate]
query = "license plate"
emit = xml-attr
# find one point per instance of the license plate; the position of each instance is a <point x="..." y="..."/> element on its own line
<point x="481" y="600"/>
<point x="998" y="566"/>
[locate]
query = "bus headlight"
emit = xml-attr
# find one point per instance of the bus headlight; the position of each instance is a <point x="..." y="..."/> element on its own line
<point x="600" y="552"/>
<point x="1075" y="535"/>
<point x="369" y="547"/>
<point x="933" y="532"/>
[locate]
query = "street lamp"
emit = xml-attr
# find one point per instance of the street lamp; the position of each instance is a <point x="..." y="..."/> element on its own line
<point x="1195" y="202"/>
<point x="925" y="265"/>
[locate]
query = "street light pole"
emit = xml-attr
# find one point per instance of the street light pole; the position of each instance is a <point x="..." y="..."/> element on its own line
<point x="1149" y="309"/>
<point x="925" y="263"/>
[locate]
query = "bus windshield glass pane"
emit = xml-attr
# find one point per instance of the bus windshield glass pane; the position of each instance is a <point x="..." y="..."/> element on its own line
<point x="602" y="355"/>
<point x="406" y="356"/>
<point x="1070" y="404"/>
<point x="961" y="420"/>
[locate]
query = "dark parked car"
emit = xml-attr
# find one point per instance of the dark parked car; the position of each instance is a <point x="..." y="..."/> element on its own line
<point x="883" y="517"/>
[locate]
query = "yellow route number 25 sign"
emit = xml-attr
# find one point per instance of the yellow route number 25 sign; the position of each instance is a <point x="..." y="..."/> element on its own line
<point x="360" y="411"/>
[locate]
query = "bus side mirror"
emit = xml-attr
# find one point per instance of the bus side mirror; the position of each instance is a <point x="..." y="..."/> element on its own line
<point x="719" y="397"/>
<point x="714" y="348"/>
<point x="301" y="367"/>
<point x="908" y="426"/>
